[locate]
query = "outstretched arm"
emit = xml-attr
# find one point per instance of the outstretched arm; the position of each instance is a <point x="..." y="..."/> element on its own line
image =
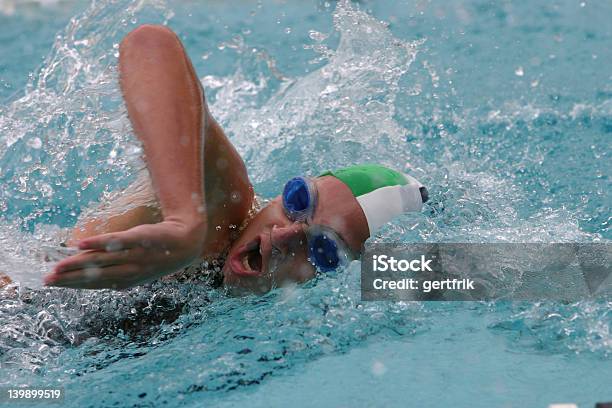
<point x="165" y="105"/>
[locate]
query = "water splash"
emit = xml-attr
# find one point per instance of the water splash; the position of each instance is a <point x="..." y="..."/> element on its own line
<point x="67" y="141"/>
<point x="72" y="111"/>
<point x="347" y="104"/>
<point x="489" y="175"/>
<point x="581" y="327"/>
<point x="53" y="138"/>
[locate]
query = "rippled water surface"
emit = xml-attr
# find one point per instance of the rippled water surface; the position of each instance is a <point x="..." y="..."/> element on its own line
<point x="503" y="109"/>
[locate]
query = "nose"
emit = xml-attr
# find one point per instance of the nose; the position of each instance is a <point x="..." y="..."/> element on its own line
<point x="288" y="236"/>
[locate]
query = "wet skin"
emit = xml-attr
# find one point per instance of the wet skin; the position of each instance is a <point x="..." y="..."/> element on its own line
<point x="173" y="122"/>
<point x="251" y="265"/>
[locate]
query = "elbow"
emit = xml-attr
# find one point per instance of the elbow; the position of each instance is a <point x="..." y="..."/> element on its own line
<point x="148" y="35"/>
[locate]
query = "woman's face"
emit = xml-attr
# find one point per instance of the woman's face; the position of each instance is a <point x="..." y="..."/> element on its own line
<point x="251" y="265"/>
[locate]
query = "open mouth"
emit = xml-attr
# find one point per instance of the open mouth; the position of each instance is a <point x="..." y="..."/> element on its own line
<point x="252" y="258"/>
<point x="248" y="259"/>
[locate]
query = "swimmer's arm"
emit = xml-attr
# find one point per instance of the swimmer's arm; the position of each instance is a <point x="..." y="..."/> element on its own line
<point x="164" y="103"/>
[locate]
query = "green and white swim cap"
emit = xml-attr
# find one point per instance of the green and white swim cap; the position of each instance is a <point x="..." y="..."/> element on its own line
<point x="382" y="193"/>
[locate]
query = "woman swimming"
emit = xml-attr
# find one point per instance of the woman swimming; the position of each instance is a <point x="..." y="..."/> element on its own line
<point x="202" y="204"/>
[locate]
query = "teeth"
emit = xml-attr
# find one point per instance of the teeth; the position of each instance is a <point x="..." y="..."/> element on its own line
<point x="245" y="262"/>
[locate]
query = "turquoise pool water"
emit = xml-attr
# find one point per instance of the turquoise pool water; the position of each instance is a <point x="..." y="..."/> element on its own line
<point x="504" y="109"/>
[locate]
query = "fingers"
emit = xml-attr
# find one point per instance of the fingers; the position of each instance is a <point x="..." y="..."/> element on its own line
<point x="114" y="241"/>
<point x="111" y="277"/>
<point x="99" y="259"/>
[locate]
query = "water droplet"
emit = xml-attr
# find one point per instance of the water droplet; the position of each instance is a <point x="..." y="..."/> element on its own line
<point x="93" y="272"/>
<point x="23" y="184"/>
<point x="45" y="189"/>
<point x="218" y="228"/>
<point x="221" y="163"/>
<point x="317" y="36"/>
<point x="519" y="71"/>
<point x="288" y="30"/>
<point x="35" y="143"/>
<point x="378" y="368"/>
<point x="114" y="245"/>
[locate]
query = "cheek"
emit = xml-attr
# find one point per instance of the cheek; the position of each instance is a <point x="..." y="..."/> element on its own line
<point x="295" y="268"/>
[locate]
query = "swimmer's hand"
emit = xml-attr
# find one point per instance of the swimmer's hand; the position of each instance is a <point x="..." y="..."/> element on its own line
<point x="123" y="259"/>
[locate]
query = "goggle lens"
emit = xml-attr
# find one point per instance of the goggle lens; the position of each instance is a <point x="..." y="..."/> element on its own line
<point x="324" y="252"/>
<point x="298" y="199"/>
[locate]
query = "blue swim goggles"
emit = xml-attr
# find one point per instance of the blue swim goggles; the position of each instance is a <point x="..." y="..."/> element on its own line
<point x="326" y="250"/>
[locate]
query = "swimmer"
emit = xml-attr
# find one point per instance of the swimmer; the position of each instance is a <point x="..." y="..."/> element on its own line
<point x="203" y="205"/>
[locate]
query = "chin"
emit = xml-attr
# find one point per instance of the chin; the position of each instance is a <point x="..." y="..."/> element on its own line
<point x="229" y="277"/>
